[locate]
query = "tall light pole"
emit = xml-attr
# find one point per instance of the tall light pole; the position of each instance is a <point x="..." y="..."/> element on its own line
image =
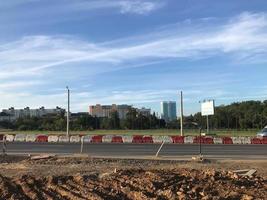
<point x="181" y="114"/>
<point x="68" y="113"/>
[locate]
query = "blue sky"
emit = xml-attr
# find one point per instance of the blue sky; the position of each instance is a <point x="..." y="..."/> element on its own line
<point x="137" y="52"/>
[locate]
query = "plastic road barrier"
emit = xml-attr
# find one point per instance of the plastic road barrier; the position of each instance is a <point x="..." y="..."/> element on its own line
<point x="97" y="139"/>
<point x="256" y="141"/>
<point x="63" y="138"/>
<point x="264" y="140"/>
<point x="166" y="139"/>
<point x="236" y="140"/>
<point x="117" y="139"/>
<point x="137" y="139"/>
<point x="209" y="140"/>
<point x="20" y="138"/>
<point x="52" y="138"/>
<point x="157" y="139"/>
<point x="75" y="138"/>
<point x="127" y="139"/>
<point x="42" y="138"/>
<point x="147" y="139"/>
<point x="107" y="138"/>
<point x="31" y="138"/>
<point x="246" y="140"/>
<point x="86" y="138"/>
<point x="188" y="140"/>
<point x="178" y="139"/>
<point x="217" y="140"/>
<point x="227" y="140"/>
<point x="241" y="140"/>
<point x="10" y="138"/>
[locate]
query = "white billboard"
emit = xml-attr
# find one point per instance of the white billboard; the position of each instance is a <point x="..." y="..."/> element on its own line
<point x="207" y="108"/>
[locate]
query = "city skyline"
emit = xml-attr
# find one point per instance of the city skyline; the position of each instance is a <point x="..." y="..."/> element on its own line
<point x="131" y="52"/>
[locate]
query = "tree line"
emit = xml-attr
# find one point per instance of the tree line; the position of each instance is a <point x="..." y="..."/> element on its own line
<point x="84" y="122"/>
<point x="242" y="115"/>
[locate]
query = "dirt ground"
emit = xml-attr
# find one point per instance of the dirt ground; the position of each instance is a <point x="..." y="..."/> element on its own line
<point x="98" y="178"/>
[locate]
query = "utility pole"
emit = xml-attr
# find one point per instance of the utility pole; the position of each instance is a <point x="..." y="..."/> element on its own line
<point x="181" y="114"/>
<point x="208" y="125"/>
<point x="68" y="113"/>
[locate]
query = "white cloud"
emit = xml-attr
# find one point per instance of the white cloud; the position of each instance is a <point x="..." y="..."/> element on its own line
<point x="14" y="85"/>
<point x="244" y="37"/>
<point x="138" y="7"/>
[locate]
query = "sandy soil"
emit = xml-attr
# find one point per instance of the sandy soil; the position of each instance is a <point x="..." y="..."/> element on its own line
<point x="92" y="178"/>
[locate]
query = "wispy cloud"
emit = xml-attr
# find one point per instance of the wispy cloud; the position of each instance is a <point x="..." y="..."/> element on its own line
<point x="140" y="7"/>
<point x="124" y="6"/>
<point x="14" y="85"/>
<point x="243" y="37"/>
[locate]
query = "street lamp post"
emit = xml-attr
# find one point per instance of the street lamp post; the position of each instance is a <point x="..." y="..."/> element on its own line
<point x="200" y="142"/>
<point x="68" y="112"/>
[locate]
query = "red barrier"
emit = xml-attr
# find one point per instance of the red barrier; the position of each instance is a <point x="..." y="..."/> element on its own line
<point x="97" y="139"/>
<point x="137" y="139"/>
<point x="1" y="137"/>
<point x="148" y="139"/>
<point x="209" y="140"/>
<point x="256" y="141"/>
<point x="178" y="139"/>
<point x="227" y="140"/>
<point x="203" y="140"/>
<point x="117" y="139"/>
<point x="42" y="138"/>
<point x="264" y="140"/>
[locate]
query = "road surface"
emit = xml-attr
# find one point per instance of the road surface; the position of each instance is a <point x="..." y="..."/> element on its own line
<point x="136" y="150"/>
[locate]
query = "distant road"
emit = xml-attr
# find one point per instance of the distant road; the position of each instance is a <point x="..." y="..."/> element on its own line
<point x="135" y="150"/>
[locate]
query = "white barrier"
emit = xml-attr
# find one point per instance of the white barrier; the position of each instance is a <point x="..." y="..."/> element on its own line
<point x="237" y="140"/>
<point x="75" y="138"/>
<point x="245" y="140"/>
<point x="107" y="138"/>
<point x="188" y="140"/>
<point x="20" y="138"/>
<point x="160" y="139"/>
<point x="10" y="138"/>
<point x="63" y="138"/>
<point x="52" y="138"/>
<point x="217" y="140"/>
<point x="127" y="139"/>
<point x="31" y="138"/>
<point x="167" y="139"/>
<point x="157" y="139"/>
<point x="86" y="138"/>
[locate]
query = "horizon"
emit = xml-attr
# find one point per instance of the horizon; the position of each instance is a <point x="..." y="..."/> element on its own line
<point x="152" y="111"/>
<point x="132" y="52"/>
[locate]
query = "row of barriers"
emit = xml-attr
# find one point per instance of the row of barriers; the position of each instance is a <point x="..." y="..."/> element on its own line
<point x="133" y="139"/>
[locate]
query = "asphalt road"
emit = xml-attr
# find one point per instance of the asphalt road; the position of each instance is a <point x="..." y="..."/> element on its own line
<point x="136" y="150"/>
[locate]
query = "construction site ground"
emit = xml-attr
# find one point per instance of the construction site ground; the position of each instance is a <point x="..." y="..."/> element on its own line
<point x="84" y="177"/>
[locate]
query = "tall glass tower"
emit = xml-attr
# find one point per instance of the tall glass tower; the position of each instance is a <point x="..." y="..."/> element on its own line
<point x="168" y="110"/>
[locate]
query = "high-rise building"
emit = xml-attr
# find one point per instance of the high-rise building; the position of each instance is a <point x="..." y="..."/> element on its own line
<point x="168" y="110"/>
